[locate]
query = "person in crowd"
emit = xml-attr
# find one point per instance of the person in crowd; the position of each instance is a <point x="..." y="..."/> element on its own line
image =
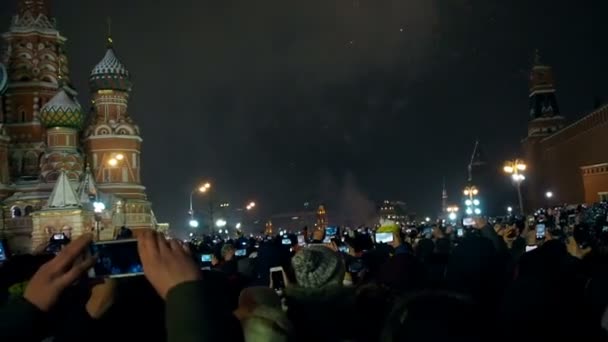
<point x="261" y="314"/>
<point x="318" y="305"/>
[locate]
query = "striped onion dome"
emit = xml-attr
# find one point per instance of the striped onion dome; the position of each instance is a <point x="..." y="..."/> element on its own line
<point x="110" y="74"/>
<point x="62" y="111"/>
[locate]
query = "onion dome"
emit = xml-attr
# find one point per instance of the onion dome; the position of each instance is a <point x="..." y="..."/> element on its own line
<point x="110" y="74"/>
<point x="3" y="79"/>
<point x="62" y="111"/>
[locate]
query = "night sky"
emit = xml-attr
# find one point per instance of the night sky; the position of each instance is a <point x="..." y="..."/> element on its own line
<point x="344" y="101"/>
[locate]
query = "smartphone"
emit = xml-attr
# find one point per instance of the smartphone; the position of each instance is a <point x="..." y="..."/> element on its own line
<point x="276" y="274"/>
<point x="468" y="221"/>
<point x="286" y="241"/>
<point x="384" y="237"/>
<point x="331" y="231"/>
<point x="206" y="257"/>
<point x="343" y="249"/>
<point x="58" y="237"/>
<point x="301" y="240"/>
<point x="240" y="252"/>
<point x="530" y="248"/>
<point x="115" y="259"/>
<point x="3" y="253"/>
<point x="460" y="232"/>
<point x="540" y="231"/>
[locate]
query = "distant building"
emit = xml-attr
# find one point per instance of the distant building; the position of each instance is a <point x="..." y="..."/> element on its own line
<point x="570" y="161"/>
<point x="394" y="211"/>
<point x="295" y="221"/>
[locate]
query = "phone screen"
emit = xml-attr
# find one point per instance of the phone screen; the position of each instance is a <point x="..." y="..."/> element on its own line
<point x="301" y="240"/>
<point x="530" y="248"/>
<point x="57" y="237"/>
<point x="286" y="241"/>
<point x="277" y="278"/>
<point x="3" y="255"/>
<point x="343" y="249"/>
<point x="206" y="257"/>
<point x="240" y="252"/>
<point x="540" y="231"/>
<point x="115" y="259"/>
<point x="384" y="237"/>
<point x="468" y="221"/>
<point x="460" y="232"/>
<point x="331" y="231"/>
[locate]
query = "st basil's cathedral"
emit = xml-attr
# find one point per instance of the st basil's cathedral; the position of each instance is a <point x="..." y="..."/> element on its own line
<point x="63" y="170"/>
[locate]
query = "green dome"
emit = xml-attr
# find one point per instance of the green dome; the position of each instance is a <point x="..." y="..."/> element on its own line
<point x="62" y="111"/>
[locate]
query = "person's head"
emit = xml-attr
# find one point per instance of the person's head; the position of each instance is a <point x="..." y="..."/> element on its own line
<point x="318" y="266"/>
<point x="228" y="252"/>
<point x="253" y="297"/>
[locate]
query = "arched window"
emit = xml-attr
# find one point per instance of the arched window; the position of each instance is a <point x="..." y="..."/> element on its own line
<point x="15" y="211"/>
<point x="28" y="210"/>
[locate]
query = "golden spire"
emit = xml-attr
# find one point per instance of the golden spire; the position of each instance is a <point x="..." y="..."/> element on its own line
<point x="110" y="41"/>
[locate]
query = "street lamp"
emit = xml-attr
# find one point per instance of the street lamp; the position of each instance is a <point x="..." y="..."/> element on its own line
<point x="509" y="210"/>
<point x="98" y="208"/>
<point x="515" y="168"/>
<point x="549" y="194"/>
<point x="471" y="201"/>
<point x="220" y="223"/>
<point x="453" y="212"/>
<point x="201" y="189"/>
<point x="193" y="223"/>
<point x="250" y="206"/>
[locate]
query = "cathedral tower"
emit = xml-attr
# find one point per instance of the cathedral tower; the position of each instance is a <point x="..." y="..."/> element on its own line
<point x="112" y="139"/>
<point x="36" y="61"/>
<point x="62" y="117"/>
<point x="545" y="120"/>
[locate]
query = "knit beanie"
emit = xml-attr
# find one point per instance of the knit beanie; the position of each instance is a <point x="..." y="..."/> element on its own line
<point x="317" y="266"/>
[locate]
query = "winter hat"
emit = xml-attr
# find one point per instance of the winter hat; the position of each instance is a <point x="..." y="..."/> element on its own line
<point x="267" y="324"/>
<point x="317" y="266"/>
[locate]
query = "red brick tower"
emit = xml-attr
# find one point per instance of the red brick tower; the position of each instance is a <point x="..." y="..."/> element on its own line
<point x="112" y="139"/>
<point x="545" y="120"/>
<point x="35" y="62"/>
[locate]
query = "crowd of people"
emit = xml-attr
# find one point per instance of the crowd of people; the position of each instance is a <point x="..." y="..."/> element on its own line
<point x="541" y="277"/>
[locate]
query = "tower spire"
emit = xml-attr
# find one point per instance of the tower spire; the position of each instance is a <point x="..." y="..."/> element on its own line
<point x="110" y="42"/>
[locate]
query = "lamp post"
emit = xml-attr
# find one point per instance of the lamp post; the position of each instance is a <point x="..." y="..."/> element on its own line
<point x="515" y="169"/>
<point x="98" y="208"/>
<point x="452" y="213"/>
<point x="201" y="189"/>
<point x="472" y="203"/>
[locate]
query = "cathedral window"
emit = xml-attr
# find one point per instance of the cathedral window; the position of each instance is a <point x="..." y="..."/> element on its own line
<point x="28" y="210"/>
<point x="15" y="211"/>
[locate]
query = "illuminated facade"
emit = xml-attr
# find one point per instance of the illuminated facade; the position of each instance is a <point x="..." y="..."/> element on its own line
<point x="53" y="165"/>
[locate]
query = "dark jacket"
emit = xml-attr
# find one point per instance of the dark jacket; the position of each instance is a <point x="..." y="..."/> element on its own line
<point x="194" y="312"/>
<point x="323" y="314"/>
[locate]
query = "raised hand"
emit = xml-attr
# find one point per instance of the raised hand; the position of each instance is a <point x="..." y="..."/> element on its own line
<point x="53" y="277"/>
<point x="166" y="262"/>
